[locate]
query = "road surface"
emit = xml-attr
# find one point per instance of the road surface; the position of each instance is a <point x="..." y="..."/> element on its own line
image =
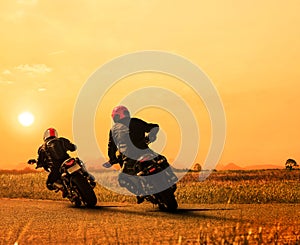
<point x="25" y="221"/>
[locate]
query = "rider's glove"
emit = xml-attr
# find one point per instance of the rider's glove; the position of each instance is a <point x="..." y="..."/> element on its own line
<point x="112" y="162"/>
<point x="152" y="137"/>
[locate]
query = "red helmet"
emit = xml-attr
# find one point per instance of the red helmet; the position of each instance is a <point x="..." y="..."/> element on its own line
<point x="49" y="133"/>
<point x="120" y="112"/>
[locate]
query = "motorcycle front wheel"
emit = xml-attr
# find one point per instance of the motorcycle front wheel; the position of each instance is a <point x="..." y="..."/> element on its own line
<point x="86" y="191"/>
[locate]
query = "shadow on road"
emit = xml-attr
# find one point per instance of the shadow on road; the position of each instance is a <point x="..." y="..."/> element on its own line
<point x="133" y="209"/>
<point x="204" y="213"/>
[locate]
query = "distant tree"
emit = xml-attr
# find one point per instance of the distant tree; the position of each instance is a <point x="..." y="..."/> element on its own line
<point x="197" y="167"/>
<point x="290" y="163"/>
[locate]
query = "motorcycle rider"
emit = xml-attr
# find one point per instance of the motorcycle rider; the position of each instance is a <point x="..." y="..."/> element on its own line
<point x="51" y="154"/>
<point x="130" y="138"/>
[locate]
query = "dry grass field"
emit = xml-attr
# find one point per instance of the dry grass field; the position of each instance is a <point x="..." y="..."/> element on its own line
<point x="230" y="207"/>
<point x="237" y="187"/>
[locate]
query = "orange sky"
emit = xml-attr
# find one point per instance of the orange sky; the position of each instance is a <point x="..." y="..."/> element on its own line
<point x="249" y="49"/>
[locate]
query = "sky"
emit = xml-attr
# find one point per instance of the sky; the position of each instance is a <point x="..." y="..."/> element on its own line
<point x="250" y="50"/>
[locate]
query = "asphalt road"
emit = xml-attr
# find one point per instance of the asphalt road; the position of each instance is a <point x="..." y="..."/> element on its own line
<point x="24" y="221"/>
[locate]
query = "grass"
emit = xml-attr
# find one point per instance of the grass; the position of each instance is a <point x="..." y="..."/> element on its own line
<point x="242" y="187"/>
<point x="244" y="234"/>
<point x="239" y="187"/>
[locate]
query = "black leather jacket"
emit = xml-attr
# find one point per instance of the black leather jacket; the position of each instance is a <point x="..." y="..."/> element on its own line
<point x="128" y="136"/>
<point x="54" y="152"/>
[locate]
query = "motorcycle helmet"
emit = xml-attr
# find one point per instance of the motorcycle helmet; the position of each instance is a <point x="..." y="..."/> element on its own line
<point x="120" y="112"/>
<point x="50" y="133"/>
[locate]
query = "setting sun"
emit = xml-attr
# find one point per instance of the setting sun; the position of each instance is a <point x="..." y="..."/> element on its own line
<point x="26" y="119"/>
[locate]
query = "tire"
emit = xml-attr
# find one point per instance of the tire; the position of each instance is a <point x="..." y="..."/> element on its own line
<point x="86" y="191"/>
<point x="77" y="202"/>
<point x="167" y="201"/>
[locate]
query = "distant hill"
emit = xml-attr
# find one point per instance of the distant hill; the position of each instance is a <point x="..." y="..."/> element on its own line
<point x="230" y="166"/>
<point x="233" y="166"/>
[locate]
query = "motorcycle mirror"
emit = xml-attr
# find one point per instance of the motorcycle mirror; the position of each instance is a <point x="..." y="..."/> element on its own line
<point x="31" y="161"/>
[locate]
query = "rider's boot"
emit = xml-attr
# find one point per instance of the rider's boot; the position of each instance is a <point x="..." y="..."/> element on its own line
<point x="60" y="187"/>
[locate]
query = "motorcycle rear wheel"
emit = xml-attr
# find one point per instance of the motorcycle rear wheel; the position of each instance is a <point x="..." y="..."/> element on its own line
<point x="86" y="191"/>
<point x="167" y="201"/>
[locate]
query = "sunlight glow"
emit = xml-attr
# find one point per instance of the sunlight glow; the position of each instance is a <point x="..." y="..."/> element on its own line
<point x="26" y="119"/>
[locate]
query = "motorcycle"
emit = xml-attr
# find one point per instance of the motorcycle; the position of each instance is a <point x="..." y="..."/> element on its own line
<point x="75" y="181"/>
<point x="151" y="179"/>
